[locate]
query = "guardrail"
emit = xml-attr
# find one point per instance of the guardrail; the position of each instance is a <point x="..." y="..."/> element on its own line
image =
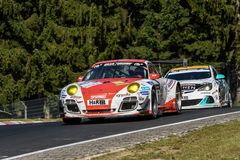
<point x="36" y="108"/>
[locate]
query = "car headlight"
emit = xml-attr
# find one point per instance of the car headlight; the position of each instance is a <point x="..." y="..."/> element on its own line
<point x="72" y="90"/>
<point x="134" y="87"/>
<point x="205" y="87"/>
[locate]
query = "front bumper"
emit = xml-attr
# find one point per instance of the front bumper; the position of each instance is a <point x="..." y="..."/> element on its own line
<point x="205" y="102"/>
<point x="129" y="106"/>
<point x="106" y="115"/>
<point x="200" y="99"/>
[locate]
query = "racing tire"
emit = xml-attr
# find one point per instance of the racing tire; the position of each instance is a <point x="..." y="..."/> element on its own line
<point x="229" y="103"/>
<point x="71" y="120"/>
<point x="178" y="102"/>
<point x="154" y="106"/>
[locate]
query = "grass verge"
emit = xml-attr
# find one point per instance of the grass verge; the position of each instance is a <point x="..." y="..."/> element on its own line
<point x="218" y="142"/>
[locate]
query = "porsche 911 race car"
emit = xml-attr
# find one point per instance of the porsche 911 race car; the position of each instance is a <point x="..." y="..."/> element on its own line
<point x="202" y="87"/>
<point x="117" y="88"/>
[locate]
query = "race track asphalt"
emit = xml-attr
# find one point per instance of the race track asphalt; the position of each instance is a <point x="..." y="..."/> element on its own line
<point x="25" y="138"/>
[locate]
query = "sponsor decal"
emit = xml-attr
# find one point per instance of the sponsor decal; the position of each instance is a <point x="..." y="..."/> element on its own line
<point x="90" y="84"/>
<point x="118" y="83"/>
<point x="116" y="64"/>
<point x="150" y="82"/>
<point x="63" y="95"/>
<point x="188" y="87"/>
<point x="144" y="93"/>
<point x="119" y="64"/>
<point x="103" y="96"/>
<point x="98" y="102"/>
<point x="77" y="98"/>
<point x="170" y="83"/>
<point x="145" y="88"/>
<point x="123" y="95"/>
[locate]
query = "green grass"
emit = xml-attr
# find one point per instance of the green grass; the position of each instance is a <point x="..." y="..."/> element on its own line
<point x="219" y="142"/>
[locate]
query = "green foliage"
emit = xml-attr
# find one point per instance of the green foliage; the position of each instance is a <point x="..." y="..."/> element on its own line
<point x="45" y="45"/>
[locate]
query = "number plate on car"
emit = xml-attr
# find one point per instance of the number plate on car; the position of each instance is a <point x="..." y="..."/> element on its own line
<point x="98" y="102"/>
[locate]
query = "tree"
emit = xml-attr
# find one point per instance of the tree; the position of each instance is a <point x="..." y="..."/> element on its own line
<point x="45" y="45"/>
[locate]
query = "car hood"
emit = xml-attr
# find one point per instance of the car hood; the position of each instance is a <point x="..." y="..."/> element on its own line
<point x="196" y="81"/>
<point x="112" y="85"/>
<point x="103" y="89"/>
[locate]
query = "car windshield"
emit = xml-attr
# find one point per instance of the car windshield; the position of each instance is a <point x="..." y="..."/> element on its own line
<point x="189" y="75"/>
<point x="117" y="70"/>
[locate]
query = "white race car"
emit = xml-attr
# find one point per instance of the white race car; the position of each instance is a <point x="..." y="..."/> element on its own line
<point x="118" y="88"/>
<point x="202" y="87"/>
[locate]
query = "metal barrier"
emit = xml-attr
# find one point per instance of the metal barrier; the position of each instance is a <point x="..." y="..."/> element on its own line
<point x="36" y="108"/>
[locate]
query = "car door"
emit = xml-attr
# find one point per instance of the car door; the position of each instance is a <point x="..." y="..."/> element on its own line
<point x="161" y="87"/>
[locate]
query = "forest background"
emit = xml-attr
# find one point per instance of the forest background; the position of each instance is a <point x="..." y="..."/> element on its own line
<point x="46" y="44"/>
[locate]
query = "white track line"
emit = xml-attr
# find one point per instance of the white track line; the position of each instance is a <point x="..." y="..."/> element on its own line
<point x="117" y="135"/>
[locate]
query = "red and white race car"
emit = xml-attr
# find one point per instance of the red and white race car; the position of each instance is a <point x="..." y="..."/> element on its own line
<point x="118" y="88"/>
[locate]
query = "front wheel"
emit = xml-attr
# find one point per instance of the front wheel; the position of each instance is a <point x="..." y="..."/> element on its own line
<point x="178" y="102"/>
<point x="154" y="105"/>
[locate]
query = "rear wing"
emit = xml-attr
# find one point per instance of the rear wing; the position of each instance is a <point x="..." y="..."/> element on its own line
<point x="184" y="62"/>
<point x="158" y="63"/>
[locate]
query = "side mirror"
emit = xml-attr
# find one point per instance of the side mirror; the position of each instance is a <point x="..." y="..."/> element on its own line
<point x="153" y="76"/>
<point x="79" y="79"/>
<point x="220" y="76"/>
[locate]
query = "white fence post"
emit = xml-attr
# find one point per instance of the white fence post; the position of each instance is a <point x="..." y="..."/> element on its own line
<point x="25" y="110"/>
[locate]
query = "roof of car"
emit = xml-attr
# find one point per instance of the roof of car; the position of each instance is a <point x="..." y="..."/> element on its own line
<point x="122" y="60"/>
<point x="191" y="68"/>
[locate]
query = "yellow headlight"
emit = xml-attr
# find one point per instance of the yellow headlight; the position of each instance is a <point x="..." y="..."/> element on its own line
<point x="72" y="90"/>
<point x="134" y="87"/>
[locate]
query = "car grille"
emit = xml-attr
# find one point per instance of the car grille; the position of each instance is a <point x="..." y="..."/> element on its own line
<point x="191" y="102"/>
<point x="130" y="99"/>
<point x="129" y="103"/>
<point x="72" y="105"/>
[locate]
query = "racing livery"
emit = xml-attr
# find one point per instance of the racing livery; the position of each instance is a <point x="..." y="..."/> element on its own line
<point x="117" y="88"/>
<point x="202" y="87"/>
